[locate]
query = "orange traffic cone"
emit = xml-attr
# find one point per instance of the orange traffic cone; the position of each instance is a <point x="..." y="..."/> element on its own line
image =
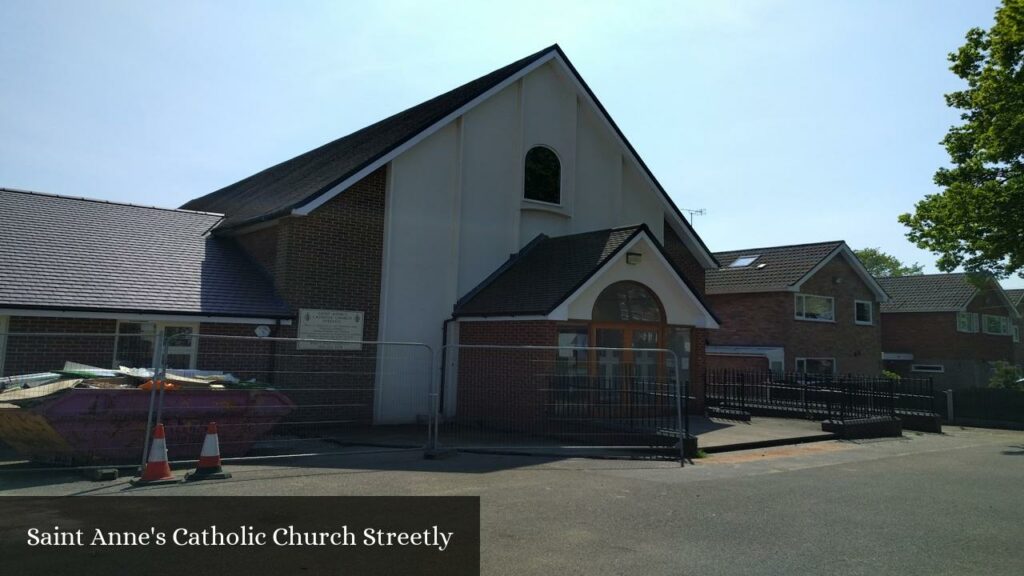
<point x="209" y="459"/>
<point x="158" y="470"/>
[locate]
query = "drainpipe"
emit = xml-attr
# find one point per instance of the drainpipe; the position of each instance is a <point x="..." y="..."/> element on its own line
<point x="444" y="352"/>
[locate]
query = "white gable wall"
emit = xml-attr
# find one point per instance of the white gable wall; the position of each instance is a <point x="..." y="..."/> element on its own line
<point x="455" y="208"/>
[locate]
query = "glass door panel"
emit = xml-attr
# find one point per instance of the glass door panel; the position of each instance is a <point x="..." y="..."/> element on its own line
<point x="609" y="362"/>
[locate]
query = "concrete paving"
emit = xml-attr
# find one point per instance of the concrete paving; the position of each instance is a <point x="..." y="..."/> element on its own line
<point x="922" y="504"/>
<point x="718" y="434"/>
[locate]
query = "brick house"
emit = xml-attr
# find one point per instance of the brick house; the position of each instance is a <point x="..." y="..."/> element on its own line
<point x="802" y="308"/>
<point x="945" y="327"/>
<point x="401" y="231"/>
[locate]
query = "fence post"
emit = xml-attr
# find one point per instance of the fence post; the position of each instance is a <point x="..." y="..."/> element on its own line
<point x="892" y="397"/>
<point x="743" y="391"/>
<point x="949" y="405"/>
<point x="159" y="354"/>
<point x="684" y="431"/>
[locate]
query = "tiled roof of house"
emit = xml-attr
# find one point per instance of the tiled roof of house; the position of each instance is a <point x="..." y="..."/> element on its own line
<point x="928" y="293"/>
<point x="776" y="268"/>
<point x="278" y="189"/>
<point x="1015" y="295"/>
<point x="65" y="253"/>
<point x="547" y="271"/>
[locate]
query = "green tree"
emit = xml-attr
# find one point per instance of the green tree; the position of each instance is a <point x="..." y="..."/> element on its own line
<point x="881" y="265"/>
<point x="977" y="221"/>
<point x="1004" y="375"/>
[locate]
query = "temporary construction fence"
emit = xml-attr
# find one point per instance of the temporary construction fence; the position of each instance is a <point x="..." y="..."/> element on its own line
<point x="561" y="400"/>
<point x="291" y="396"/>
<point x="270" y="396"/>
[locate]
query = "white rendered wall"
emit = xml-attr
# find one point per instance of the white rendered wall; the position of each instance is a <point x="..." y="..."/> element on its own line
<point x="455" y="209"/>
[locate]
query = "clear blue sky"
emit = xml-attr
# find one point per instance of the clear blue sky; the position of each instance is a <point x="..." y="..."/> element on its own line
<point x="788" y="121"/>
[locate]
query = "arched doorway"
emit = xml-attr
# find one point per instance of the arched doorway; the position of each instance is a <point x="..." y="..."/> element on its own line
<point x="629" y="316"/>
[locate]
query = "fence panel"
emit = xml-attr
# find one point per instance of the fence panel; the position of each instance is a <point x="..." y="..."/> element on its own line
<point x="274" y="397"/>
<point x="64" y="402"/>
<point x="561" y="400"/>
<point x="801" y="395"/>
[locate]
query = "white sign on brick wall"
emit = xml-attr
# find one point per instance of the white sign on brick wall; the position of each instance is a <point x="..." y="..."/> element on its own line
<point x="319" y="324"/>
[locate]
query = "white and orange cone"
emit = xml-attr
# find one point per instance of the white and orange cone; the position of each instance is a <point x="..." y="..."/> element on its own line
<point x="209" y="466"/>
<point x="158" y="469"/>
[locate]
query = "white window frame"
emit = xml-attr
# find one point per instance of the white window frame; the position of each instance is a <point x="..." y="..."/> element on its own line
<point x="1004" y="322"/>
<point x="798" y="309"/>
<point x="973" y="323"/>
<point x="159" y="327"/>
<point x="4" y="326"/>
<point x="871" y="312"/>
<point x="835" y="365"/>
<point x="928" y="368"/>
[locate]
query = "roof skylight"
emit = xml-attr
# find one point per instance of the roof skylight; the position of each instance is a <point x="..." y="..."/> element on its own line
<point x="744" y="261"/>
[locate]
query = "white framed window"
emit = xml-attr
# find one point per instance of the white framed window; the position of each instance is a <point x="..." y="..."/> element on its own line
<point x="967" y="322"/>
<point x="815" y="308"/>
<point x="995" y="325"/>
<point x="3" y="342"/>
<point x="933" y="368"/>
<point x="863" y="312"/>
<point x="135" y="344"/>
<point x="1016" y="340"/>
<point x="826" y="366"/>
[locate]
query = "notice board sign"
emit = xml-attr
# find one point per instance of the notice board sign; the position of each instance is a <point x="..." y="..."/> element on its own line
<point x="316" y="324"/>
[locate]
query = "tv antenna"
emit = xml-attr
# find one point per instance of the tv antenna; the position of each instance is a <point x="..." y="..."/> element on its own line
<point x="694" y="212"/>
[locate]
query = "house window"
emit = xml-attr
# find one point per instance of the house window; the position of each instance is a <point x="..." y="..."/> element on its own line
<point x="743" y="261"/>
<point x="823" y="366"/>
<point x="996" y="325"/>
<point x="863" y="312"/>
<point x="967" y="322"/>
<point x="543" y="179"/>
<point x="817" y="308"/>
<point x="934" y="368"/>
<point x="135" y="346"/>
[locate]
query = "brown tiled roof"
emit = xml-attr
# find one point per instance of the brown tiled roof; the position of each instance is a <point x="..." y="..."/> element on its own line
<point x="776" y="268"/>
<point x="927" y="293"/>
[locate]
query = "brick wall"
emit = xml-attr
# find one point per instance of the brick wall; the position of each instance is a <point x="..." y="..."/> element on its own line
<point x="330" y="259"/>
<point x="31" y="354"/>
<point x="757" y="363"/>
<point x="768" y="319"/>
<point x="683" y="259"/>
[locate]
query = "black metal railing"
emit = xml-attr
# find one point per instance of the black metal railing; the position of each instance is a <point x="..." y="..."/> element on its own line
<point x="818" y="395"/>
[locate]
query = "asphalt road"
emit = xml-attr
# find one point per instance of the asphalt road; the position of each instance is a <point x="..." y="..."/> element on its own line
<point x="925" y="504"/>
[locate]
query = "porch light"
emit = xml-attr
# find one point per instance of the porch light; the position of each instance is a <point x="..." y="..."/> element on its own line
<point x="633" y="258"/>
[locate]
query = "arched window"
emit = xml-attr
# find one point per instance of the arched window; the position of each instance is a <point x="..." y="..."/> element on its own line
<point x="543" y="181"/>
<point x="627" y="302"/>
